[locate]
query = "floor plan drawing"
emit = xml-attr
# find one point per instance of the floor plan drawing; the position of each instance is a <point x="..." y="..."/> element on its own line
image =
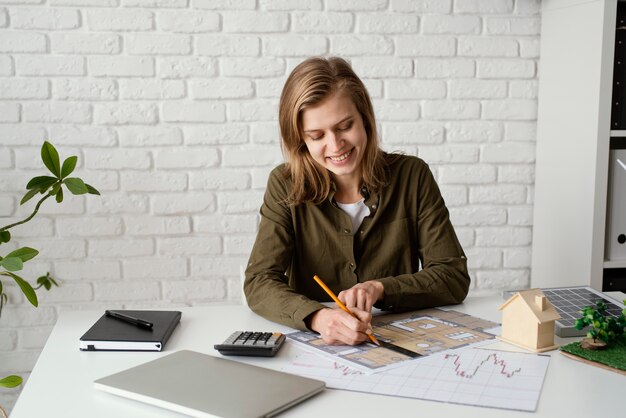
<point x="421" y="333"/>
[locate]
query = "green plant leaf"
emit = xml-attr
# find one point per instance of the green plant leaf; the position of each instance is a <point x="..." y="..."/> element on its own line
<point x="50" y="158"/>
<point x="24" y="253"/>
<point x="5" y="236"/>
<point x="47" y="281"/>
<point x="12" y="263"/>
<point x="92" y="190"/>
<point x="27" y="289"/>
<point x="40" y="182"/>
<point x="29" y="195"/>
<point x="55" y="189"/>
<point x="43" y="281"/>
<point x="11" y="381"/>
<point x="3" y="301"/>
<point x="3" y="298"/>
<point x="59" y="196"/>
<point x="68" y="166"/>
<point x="76" y="185"/>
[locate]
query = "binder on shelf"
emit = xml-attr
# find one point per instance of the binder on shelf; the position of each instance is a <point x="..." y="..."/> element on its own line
<point x="616" y="207"/>
<point x="618" y="107"/>
<point x="112" y="334"/>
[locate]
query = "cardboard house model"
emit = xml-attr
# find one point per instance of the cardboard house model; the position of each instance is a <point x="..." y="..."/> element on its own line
<point x="528" y="321"/>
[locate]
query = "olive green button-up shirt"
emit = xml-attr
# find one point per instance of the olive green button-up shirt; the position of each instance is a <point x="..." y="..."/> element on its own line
<point x="408" y="227"/>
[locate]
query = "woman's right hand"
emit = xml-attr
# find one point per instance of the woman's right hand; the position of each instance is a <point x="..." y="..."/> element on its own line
<point x="339" y="327"/>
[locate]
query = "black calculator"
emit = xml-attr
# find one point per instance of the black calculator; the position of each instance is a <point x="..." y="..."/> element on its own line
<point x="250" y="343"/>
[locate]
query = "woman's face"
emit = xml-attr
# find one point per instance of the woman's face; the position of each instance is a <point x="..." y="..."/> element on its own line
<point x="335" y="137"/>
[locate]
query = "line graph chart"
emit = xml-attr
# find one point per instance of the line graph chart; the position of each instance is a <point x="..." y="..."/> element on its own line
<point x="327" y="368"/>
<point x="473" y="376"/>
<point x="493" y="357"/>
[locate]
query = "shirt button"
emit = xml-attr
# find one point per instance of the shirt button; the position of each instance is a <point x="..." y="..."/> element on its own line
<point x="346" y="231"/>
<point x="374" y="206"/>
<point x="352" y="265"/>
<point x="362" y="232"/>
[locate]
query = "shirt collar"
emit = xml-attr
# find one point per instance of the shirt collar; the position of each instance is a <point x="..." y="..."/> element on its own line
<point x="371" y="198"/>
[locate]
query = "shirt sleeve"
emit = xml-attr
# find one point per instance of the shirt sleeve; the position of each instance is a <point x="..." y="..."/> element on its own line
<point x="266" y="285"/>
<point x="444" y="279"/>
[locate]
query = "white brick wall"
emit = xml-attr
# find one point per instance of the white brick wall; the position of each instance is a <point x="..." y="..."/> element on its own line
<point x="171" y="106"/>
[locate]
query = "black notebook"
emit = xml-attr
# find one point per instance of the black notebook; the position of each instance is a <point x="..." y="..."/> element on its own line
<point x="111" y="334"/>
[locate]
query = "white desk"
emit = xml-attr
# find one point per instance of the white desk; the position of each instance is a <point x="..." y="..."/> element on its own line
<point x="61" y="382"/>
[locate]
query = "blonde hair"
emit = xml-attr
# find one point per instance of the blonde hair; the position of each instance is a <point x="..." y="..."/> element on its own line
<point x="312" y="81"/>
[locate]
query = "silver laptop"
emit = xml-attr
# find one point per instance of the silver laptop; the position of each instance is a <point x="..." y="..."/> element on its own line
<point x="200" y="385"/>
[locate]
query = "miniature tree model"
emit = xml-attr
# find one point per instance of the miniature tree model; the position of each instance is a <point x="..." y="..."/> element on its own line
<point x="14" y="261"/>
<point x="605" y="329"/>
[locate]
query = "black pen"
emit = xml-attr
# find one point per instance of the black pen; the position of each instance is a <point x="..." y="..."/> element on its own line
<point x="129" y="319"/>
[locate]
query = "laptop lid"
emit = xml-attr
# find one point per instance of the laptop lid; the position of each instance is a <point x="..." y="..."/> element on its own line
<point x="200" y="385"/>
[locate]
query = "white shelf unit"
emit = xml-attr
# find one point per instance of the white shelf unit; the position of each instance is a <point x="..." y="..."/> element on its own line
<point x="573" y="134"/>
<point x="614" y="264"/>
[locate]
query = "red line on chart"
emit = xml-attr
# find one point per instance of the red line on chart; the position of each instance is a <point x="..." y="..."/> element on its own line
<point x="345" y="370"/>
<point x="493" y="357"/>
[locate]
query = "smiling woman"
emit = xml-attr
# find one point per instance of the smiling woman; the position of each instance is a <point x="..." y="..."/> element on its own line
<point x="335" y="138"/>
<point x="340" y="208"/>
<point x="324" y="95"/>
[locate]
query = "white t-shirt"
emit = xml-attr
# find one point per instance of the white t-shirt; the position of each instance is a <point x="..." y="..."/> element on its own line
<point x="357" y="212"/>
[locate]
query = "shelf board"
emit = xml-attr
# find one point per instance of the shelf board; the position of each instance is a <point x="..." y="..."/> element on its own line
<point x="614" y="264"/>
<point x="618" y="133"/>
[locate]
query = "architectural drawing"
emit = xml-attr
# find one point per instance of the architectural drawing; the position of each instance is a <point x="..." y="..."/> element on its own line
<point x="423" y="333"/>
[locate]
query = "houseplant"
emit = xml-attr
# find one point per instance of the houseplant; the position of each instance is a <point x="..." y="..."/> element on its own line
<point x="46" y="186"/>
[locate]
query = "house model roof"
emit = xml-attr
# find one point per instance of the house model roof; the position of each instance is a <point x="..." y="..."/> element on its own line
<point x="532" y="299"/>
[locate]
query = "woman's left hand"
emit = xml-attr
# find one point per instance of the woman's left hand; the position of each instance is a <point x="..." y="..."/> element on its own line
<point x="363" y="295"/>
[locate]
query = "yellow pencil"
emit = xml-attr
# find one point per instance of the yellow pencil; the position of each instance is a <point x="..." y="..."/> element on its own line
<point x="341" y="305"/>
